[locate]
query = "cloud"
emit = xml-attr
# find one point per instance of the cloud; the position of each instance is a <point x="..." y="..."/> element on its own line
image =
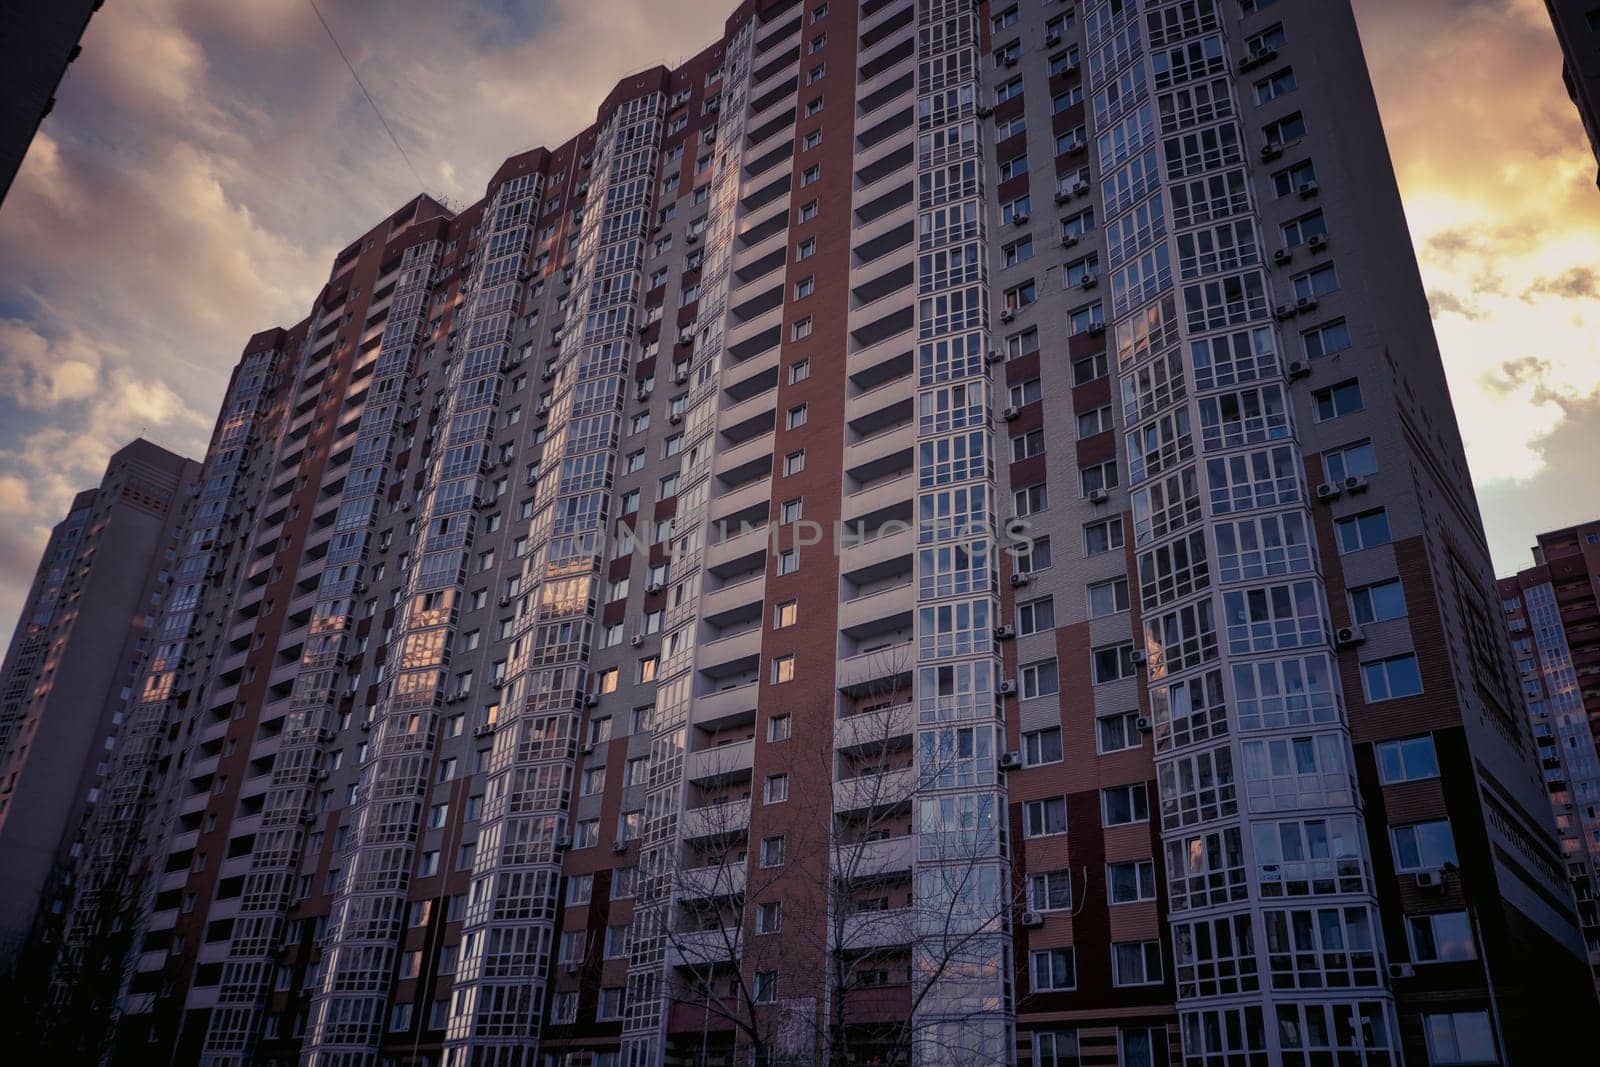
<point x="1448" y="303"/>
<point x="1575" y="283"/>
<point x="1560" y="491"/>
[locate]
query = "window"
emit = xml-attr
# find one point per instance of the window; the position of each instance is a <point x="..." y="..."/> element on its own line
<point x="1089" y="368"/>
<point x="790" y="510"/>
<point x="1027" y="445"/>
<point x="813" y="106"/>
<point x="1131" y="881"/>
<point x="1124" y="804"/>
<point x="1410" y="759"/>
<point x="772" y="852"/>
<point x="1378" y="602"/>
<point x="784" y="614"/>
<point x="819" y="42"/>
<point x="1036" y="616"/>
<point x="1366" y="529"/>
<point x="801" y="329"/>
<point x="1016" y="252"/>
<point x="580" y="887"/>
<point x="1042" y="746"/>
<point x="1112" y="662"/>
<point x="1388" y="679"/>
<point x="1337" y="400"/>
<point x="811" y="141"/>
<point x="1026" y="392"/>
<point x="1038" y="679"/>
<point x="1023" y="343"/>
<point x="766" y="987"/>
<point x="782" y="669"/>
<point x="1136" y="963"/>
<point x="609" y="1004"/>
<point x="1102" y="536"/>
<point x="1095" y="421"/>
<point x="1294" y="179"/>
<point x="1031" y="500"/>
<point x="1351" y="461"/>
<point x="1011" y="88"/>
<point x="1460" y="1037"/>
<point x="775" y="790"/>
<point x="769" y="917"/>
<point x="808" y="211"/>
<point x="1043" y="817"/>
<point x="1033" y="555"/>
<point x="796" y="416"/>
<point x="1108" y="597"/>
<point x="811" y="175"/>
<point x="1421" y="846"/>
<point x="1019" y="296"/>
<point x="1441" y="938"/>
<point x="805" y="249"/>
<point x="799" y="371"/>
<point x="1282" y="131"/>
<point x="794" y="462"/>
<point x="1050" y="891"/>
<point x="1302" y="229"/>
<point x="1275" y="85"/>
<point x="1118" y="732"/>
<point x="1053" y="969"/>
<point x="805" y="287"/>
<point x="1330" y="337"/>
<point x="780" y="727"/>
<point x="1055" y="1048"/>
<point x="1085" y="318"/>
<point x="1099" y="476"/>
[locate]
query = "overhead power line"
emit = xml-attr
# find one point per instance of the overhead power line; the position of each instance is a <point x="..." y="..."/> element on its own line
<point x="362" y="86"/>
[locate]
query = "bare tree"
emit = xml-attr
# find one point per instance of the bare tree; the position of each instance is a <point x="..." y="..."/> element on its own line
<point x="873" y="959"/>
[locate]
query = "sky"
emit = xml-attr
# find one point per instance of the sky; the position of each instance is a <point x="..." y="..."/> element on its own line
<point x="206" y="161"/>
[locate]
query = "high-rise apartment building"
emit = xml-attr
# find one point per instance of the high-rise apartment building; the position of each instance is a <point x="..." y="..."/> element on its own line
<point x="931" y="533"/>
<point x="1577" y="24"/>
<point x="1552" y="610"/>
<point x="69" y="674"/>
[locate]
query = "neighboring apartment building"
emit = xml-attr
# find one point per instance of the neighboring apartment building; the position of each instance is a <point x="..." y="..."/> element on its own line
<point x="68" y="675"/>
<point x="1577" y="24"/>
<point x="1215" y="757"/>
<point x="37" y="43"/>
<point x="1553" y="612"/>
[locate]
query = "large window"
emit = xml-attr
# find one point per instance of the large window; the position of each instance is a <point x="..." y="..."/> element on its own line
<point x="1460" y="1037"/>
<point x="1131" y="881"/>
<point x="1408" y="760"/>
<point x="1421" y="846"/>
<point x="1054" y="969"/>
<point x="1391" y="678"/>
<point x="1124" y="804"/>
<point x="1443" y="937"/>
<point x="1043" y="817"/>
<point x="1136" y="963"/>
<point x="1050" y="891"/>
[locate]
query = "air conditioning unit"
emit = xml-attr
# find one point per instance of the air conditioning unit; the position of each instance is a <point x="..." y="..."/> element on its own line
<point x="505" y="601"/>
<point x="1096" y="329"/>
<point x="1139" y="656"/>
<point x="680" y="376"/>
<point x="686" y="337"/>
<point x="1069" y="240"/>
<point x="1012" y="61"/>
<point x="586" y="750"/>
<point x="675" y="417"/>
<point x="590" y="700"/>
<point x="1073" y="145"/>
<point x="1271" y="151"/>
<point x="1011" y="413"/>
<point x="636" y="640"/>
<point x="562" y="845"/>
<point x="643" y="394"/>
<point x="1402" y="970"/>
<point x="1078" y="187"/>
<point x="1099" y="496"/>
<point x="1328" y="491"/>
<point x="367" y="725"/>
<point x="322" y="775"/>
<point x="1430" y="880"/>
<point x="1285" y="311"/>
<point x="1348" y="636"/>
<point x="1020" y="218"/>
<point x="1052" y="39"/>
<point x="1020" y="579"/>
<point x="532" y="479"/>
<point x="710" y="136"/>
<point x="548" y="374"/>
<point x="1282" y="256"/>
<point x="1299" y="368"/>
<point x="1089" y="281"/>
<point x="984" y="111"/>
<point x="690" y="238"/>
<point x="1317" y="242"/>
<point x="1004" y="633"/>
<point x="1010" y="761"/>
<point x="1069" y="70"/>
<point x="1007" y="315"/>
<point x="1062" y="196"/>
<point x="1007" y="688"/>
<point x="1032" y="918"/>
<point x="1306" y="304"/>
<point x="1143" y="724"/>
<point x="543" y="408"/>
<point x="309" y="818"/>
<point x="654" y="588"/>
<point x="1355" y="483"/>
<point x="482" y="730"/>
<point x="1309" y="190"/>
